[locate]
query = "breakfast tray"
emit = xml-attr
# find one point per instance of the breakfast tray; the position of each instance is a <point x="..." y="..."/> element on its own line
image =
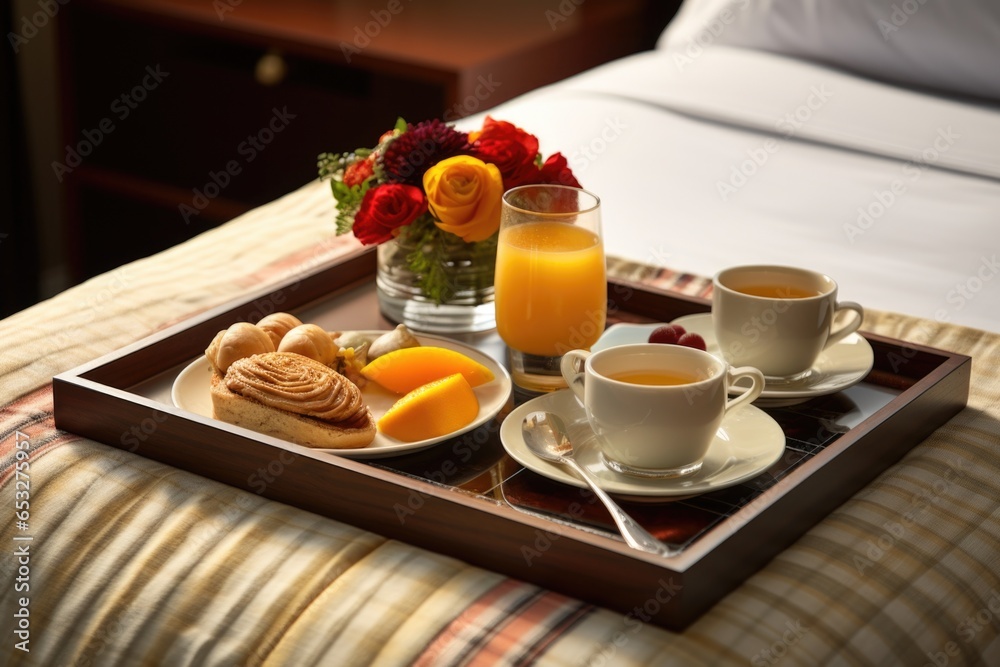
<point x="466" y="498"/>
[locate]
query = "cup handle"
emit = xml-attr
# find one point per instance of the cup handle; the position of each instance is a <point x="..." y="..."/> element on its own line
<point x="751" y="394"/>
<point x="849" y="328"/>
<point x="572" y="368"/>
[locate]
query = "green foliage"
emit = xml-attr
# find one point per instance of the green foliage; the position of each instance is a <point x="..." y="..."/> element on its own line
<point x="430" y="255"/>
<point x="331" y="166"/>
<point x="427" y="258"/>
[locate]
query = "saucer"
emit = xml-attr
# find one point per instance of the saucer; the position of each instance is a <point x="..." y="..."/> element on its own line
<point x="748" y="443"/>
<point x="191" y="391"/>
<point x="840" y="366"/>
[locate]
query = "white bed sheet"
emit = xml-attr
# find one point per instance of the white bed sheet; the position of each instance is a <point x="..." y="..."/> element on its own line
<point x="894" y="193"/>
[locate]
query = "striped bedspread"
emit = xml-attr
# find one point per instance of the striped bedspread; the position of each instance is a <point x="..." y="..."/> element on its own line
<point x="112" y="559"/>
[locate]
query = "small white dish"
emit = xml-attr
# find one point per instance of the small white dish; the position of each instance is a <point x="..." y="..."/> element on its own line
<point x="843" y="365"/>
<point x="191" y="392"/>
<point x="748" y="443"/>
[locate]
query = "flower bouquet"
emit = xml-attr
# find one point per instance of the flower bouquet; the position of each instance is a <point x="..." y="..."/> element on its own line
<point x="430" y="196"/>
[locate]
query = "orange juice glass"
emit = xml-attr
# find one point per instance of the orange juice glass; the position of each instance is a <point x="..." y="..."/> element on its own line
<point x="551" y="280"/>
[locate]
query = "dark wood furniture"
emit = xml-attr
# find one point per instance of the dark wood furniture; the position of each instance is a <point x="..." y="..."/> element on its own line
<point x="181" y="114"/>
<point x="19" y="272"/>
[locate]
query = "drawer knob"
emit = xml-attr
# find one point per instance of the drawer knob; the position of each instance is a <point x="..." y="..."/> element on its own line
<point x="271" y="69"/>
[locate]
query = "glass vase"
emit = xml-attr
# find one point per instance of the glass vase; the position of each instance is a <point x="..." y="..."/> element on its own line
<point x="457" y="299"/>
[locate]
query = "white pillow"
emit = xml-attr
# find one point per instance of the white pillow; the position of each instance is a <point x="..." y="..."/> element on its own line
<point x="952" y="47"/>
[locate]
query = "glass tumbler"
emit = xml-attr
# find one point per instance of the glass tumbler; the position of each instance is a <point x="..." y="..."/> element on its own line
<point x="551" y="280"/>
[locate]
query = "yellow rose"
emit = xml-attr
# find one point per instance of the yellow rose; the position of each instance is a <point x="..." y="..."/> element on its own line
<point x="463" y="194"/>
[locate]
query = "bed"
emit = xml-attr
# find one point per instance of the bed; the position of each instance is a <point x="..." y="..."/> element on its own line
<point x="860" y="139"/>
<point x="716" y="155"/>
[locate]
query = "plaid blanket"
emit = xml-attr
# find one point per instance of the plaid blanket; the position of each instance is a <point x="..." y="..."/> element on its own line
<point x="112" y="559"/>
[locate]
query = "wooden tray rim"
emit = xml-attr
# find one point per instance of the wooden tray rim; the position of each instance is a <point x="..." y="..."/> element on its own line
<point x="355" y="270"/>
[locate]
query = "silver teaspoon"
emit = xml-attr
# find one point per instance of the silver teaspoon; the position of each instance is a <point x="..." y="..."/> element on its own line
<point x="545" y="435"/>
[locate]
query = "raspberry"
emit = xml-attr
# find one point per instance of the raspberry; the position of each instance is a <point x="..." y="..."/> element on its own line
<point x="668" y="334"/>
<point x="692" y="339"/>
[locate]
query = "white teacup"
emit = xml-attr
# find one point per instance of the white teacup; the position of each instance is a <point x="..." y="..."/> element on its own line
<point x="655" y="408"/>
<point x="778" y="318"/>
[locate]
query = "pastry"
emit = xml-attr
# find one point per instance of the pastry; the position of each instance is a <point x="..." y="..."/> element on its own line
<point x="237" y="342"/>
<point x="277" y="325"/>
<point x="295" y="398"/>
<point x="310" y="340"/>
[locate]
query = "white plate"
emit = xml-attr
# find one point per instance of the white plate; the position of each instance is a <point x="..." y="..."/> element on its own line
<point x="843" y="365"/>
<point x="191" y="392"/>
<point x="748" y="443"/>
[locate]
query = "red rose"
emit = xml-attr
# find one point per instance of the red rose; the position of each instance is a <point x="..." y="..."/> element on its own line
<point x="510" y="148"/>
<point x="501" y="130"/>
<point x="386" y="208"/>
<point x="516" y="166"/>
<point x="556" y="171"/>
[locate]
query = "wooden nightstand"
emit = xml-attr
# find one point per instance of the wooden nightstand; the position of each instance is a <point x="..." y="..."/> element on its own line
<point x="179" y="115"/>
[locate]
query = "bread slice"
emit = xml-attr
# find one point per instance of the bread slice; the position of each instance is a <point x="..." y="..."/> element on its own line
<point x="239" y="410"/>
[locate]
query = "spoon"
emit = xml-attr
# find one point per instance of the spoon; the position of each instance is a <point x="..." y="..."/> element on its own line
<point x="545" y="435"/>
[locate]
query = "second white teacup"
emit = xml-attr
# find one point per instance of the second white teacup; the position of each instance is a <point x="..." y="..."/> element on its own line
<point x="778" y="318"/>
<point x="655" y="408"/>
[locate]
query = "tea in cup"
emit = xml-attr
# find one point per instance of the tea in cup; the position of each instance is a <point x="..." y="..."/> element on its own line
<point x="655" y="409"/>
<point x="778" y="318"/>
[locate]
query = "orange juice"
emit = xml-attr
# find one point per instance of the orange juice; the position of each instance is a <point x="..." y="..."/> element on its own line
<point x="551" y="287"/>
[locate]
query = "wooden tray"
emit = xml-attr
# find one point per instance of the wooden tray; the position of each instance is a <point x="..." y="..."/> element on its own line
<point x="466" y="498"/>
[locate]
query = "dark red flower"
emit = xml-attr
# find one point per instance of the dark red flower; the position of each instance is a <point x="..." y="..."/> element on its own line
<point x="556" y="171"/>
<point x="510" y="148"/>
<point x="385" y="208"/>
<point x="501" y="130"/>
<point x="516" y="166"/>
<point x="409" y="155"/>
